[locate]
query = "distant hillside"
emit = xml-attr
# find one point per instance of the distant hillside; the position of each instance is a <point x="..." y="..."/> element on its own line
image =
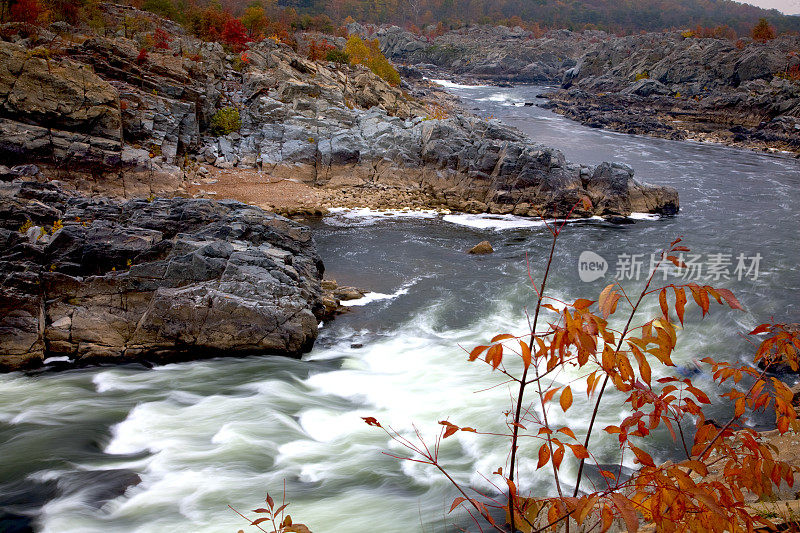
<point x="615" y="15"/>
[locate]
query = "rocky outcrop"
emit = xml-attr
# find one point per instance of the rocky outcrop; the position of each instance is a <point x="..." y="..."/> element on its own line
<point x="334" y="126"/>
<point x="670" y="86"/>
<point x="94" y="280"/>
<point x="298" y="125"/>
<point x="56" y="109"/>
<point x="495" y="53"/>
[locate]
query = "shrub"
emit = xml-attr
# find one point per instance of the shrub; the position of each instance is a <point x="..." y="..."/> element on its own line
<point x="337" y="56"/>
<point x="319" y="50"/>
<point x="161" y="39"/>
<point x="225" y="121"/>
<point x="234" y="35"/>
<point x="568" y="344"/>
<point x="370" y="55"/>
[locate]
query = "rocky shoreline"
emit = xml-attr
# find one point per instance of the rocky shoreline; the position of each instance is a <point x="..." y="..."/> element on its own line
<point x="740" y="93"/>
<point x="120" y="239"/>
<point x="93" y="280"/>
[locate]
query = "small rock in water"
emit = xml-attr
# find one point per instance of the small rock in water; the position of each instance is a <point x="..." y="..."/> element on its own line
<point x="481" y="248"/>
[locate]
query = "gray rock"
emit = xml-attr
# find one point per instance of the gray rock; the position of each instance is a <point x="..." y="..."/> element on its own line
<point x="160" y="280"/>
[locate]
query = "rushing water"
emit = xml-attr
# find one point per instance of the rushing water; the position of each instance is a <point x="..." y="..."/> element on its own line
<point x="199" y="436"/>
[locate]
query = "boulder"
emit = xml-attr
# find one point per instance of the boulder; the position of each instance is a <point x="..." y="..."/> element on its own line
<point x="159" y="280"/>
<point x="482" y="248"/>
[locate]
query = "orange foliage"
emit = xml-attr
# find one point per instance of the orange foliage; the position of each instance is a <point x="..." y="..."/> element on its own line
<point x="763" y="31"/>
<point x="703" y="492"/>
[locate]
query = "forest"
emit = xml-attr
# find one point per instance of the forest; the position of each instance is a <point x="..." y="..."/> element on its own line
<point x="276" y="17"/>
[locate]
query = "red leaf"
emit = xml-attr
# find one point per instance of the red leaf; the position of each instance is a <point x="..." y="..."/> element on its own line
<point x="370" y="422"/>
<point x="451" y="428"/>
<point x="457" y="502"/>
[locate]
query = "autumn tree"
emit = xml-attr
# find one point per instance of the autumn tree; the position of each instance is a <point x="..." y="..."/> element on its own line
<point x="234" y="35"/>
<point x="255" y="21"/>
<point x="28" y="11"/>
<point x="763" y="31"/>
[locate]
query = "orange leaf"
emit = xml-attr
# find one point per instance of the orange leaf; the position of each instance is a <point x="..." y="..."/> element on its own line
<point x="627" y="511"/>
<point x="456" y="503"/>
<point x="512" y="489"/>
<point x="544" y="456"/>
<point x="502" y="337"/>
<point x="644" y="366"/>
<point x="476" y="352"/>
<point x="739" y="410"/>
<point x="566" y="398"/>
<point x="662" y="300"/>
<point x="680" y="302"/>
<point x="526" y="353"/>
<point x="730" y="299"/>
<point x="558" y="456"/>
<point x="609" y="475"/>
<point x="608" y="300"/>
<point x="568" y="432"/>
<point x="643" y="456"/>
<point x="579" y="451"/>
<point x="549" y="394"/>
<point x="495" y="355"/>
<point x="582" y="303"/>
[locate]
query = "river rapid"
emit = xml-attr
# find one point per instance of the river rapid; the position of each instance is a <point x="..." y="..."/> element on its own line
<point x="129" y="449"/>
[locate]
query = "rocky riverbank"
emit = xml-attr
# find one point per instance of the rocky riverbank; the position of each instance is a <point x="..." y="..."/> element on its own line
<point x="684" y="88"/>
<point x="107" y="259"/>
<point x="742" y="93"/>
<point x="92" y="280"/>
<point x="114" y="122"/>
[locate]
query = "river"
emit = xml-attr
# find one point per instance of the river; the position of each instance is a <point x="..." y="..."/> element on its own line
<point x="202" y="435"/>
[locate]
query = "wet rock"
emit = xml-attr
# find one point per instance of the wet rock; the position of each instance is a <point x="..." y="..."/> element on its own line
<point x="482" y="248"/>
